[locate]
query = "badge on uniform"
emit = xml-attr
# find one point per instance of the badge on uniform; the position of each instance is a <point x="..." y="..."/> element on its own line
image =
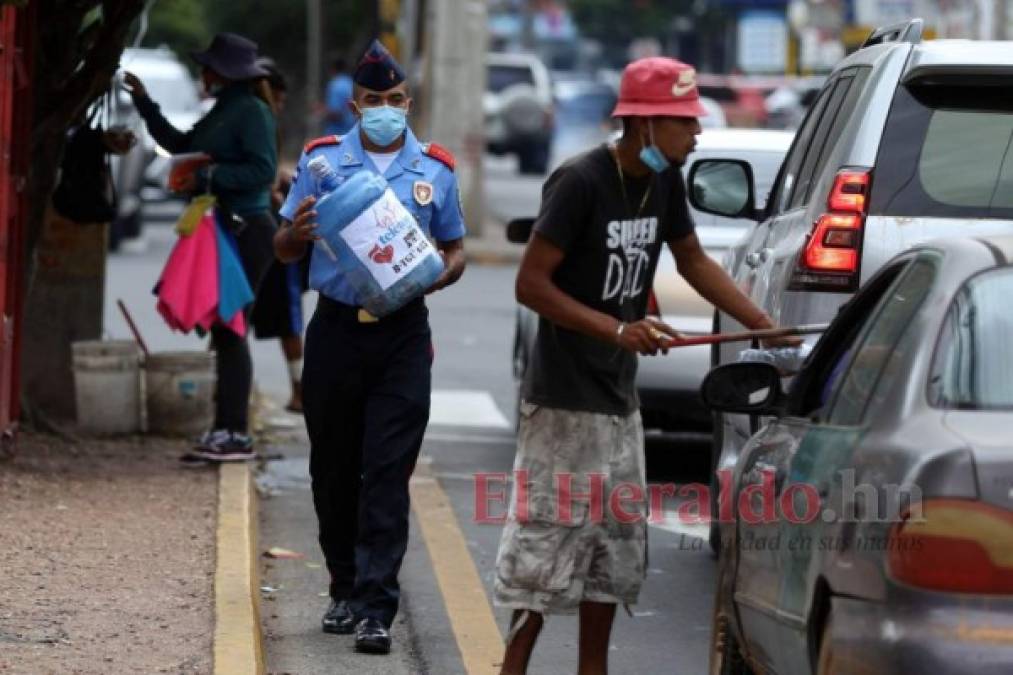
<point x="423" y="192"/>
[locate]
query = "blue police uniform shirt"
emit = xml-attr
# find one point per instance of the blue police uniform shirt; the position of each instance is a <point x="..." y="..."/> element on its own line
<point x="440" y="219"/>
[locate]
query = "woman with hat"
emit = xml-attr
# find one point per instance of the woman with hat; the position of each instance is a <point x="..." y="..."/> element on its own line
<point x="238" y="135"/>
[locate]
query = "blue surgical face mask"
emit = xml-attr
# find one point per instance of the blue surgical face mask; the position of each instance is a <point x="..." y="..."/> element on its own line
<point x="384" y="124"/>
<point x="652" y="156"/>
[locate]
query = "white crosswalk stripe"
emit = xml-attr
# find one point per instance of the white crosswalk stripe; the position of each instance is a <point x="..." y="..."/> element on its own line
<point x="466" y="408"/>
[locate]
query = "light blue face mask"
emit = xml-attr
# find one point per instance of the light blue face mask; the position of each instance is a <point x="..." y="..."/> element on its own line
<point x="652" y="156"/>
<point x="384" y="124"/>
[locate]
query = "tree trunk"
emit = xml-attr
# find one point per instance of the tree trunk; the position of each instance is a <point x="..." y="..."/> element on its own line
<point x="74" y="65"/>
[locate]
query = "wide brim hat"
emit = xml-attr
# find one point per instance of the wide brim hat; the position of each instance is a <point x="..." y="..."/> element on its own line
<point x="658" y="87"/>
<point x="231" y="56"/>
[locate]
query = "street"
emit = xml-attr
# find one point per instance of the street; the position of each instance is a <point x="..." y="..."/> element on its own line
<point x="470" y="432"/>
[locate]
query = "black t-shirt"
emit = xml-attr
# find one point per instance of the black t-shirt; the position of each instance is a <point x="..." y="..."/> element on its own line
<point x="611" y="252"/>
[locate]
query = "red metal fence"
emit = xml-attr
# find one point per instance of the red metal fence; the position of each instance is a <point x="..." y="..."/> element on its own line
<point x="16" y="28"/>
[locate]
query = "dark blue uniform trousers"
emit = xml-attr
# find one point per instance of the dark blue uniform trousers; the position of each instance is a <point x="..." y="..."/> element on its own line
<point x="366" y="390"/>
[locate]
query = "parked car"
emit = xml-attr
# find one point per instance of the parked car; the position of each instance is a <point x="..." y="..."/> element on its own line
<point x="669" y="385"/>
<point x="905" y="142"/>
<point x="518" y="106"/>
<point x="888" y="471"/>
<point x="141" y="174"/>
<point x="741" y="97"/>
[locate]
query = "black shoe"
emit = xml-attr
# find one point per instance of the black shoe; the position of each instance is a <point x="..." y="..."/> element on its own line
<point x="372" y="637"/>
<point x="234" y="447"/>
<point x="339" y="619"/>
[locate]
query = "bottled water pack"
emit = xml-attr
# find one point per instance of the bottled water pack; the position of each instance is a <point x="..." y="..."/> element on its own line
<point x="375" y="242"/>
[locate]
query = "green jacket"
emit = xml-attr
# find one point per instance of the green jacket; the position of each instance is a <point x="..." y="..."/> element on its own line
<point x="239" y="134"/>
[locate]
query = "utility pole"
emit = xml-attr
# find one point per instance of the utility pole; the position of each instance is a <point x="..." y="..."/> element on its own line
<point x="1001" y="10"/>
<point x="458" y="38"/>
<point x="314" y="30"/>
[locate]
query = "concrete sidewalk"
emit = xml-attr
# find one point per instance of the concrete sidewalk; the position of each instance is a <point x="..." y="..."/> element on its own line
<point x="294" y="591"/>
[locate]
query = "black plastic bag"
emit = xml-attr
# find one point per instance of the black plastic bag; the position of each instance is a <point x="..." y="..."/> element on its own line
<point x="85" y="193"/>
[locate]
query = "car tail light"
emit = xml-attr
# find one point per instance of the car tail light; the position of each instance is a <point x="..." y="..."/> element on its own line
<point x="956" y="545"/>
<point x="830" y="259"/>
<point x="652" y="305"/>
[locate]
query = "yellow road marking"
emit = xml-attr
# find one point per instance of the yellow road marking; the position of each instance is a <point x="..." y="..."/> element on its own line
<point x="471" y="618"/>
<point x="237" y="644"/>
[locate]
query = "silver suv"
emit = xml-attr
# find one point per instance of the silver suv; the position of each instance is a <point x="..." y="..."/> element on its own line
<point x="905" y="142"/>
<point x="518" y="106"/>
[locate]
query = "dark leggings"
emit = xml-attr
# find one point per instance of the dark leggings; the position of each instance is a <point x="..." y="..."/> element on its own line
<point x="235" y="367"/>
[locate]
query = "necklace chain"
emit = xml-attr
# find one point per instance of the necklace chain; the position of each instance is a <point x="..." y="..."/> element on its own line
<point x="622" y="186"/>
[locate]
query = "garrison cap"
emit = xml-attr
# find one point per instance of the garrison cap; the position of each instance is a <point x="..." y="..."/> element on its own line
<point x="377" y="70"/>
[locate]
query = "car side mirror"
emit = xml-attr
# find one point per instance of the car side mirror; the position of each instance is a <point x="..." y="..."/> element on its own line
<point x="748" y="387"/>
<point x="518" y="230"/>
<point x="723" y="187"/>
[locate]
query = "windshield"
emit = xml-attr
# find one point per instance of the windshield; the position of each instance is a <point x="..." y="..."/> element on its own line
<point x="501" y="77"/>
<point x="946" y="152"/>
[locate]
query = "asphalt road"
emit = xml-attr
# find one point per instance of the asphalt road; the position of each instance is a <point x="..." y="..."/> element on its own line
<point x="471" y="432"/>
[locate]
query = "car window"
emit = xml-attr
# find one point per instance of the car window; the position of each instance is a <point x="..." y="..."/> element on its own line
<point x="501" y="77"/>
<point x="841" y="104"/>
<point x="946" y="151"/>
<point x="800" y="188"/>
<point x="812" y="389"/>
<point x="866" y="361"/>
<point x="973" y="366"/>
<point x="718" y="93"/>
<point x="789" y="172"/>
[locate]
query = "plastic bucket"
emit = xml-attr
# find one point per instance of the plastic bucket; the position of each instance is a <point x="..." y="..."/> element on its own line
<point x="180" y="392"/>
<point x="107" y="386"/>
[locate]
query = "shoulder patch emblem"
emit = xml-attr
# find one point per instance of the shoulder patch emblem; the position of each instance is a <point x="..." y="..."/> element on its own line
<point x="438" y="152"/>
<point x="423" y="192"/>
<point x="320" y="142"/>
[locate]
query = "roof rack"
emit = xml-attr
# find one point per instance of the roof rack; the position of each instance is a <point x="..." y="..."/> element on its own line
<point x="910" y="31"/>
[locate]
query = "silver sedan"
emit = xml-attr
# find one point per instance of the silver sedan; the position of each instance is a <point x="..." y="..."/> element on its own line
<point x="867" y="526"/>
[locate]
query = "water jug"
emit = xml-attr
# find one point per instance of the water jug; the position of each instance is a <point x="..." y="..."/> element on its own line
<point x="375" y="242"/>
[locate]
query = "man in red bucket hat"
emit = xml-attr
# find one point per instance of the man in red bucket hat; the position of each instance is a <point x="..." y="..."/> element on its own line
<point x="569" y="545"/>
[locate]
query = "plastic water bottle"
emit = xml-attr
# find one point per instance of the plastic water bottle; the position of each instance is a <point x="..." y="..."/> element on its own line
<point x="327" y="181"/>
<point x="788" y="360"/>
<point x="375" y="242"/>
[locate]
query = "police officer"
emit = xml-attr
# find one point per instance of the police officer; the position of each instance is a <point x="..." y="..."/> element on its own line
<point x="366" y="381"/>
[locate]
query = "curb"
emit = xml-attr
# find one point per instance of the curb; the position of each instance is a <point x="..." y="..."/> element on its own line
<point x="238" y="645"/>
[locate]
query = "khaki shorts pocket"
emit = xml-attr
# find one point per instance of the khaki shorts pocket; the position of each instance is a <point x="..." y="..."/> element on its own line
<point x="539" y="556"/>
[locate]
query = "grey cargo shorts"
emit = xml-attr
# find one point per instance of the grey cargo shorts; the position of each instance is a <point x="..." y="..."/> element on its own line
<point x="552" y="558"/>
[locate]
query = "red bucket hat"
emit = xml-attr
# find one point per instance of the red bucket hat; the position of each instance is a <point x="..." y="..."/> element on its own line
<point x="658" y="87"/>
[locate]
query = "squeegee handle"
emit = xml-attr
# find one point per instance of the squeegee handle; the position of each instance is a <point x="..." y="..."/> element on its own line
<point x="743" y="336"/>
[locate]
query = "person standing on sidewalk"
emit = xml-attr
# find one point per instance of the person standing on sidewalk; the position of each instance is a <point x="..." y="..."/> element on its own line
<point x="587" y="272"/>
<point x="366" y="381"/>
<point x="338" y="115"/>
<point x="278" y="311"/>
<point x="239" y="136"/>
